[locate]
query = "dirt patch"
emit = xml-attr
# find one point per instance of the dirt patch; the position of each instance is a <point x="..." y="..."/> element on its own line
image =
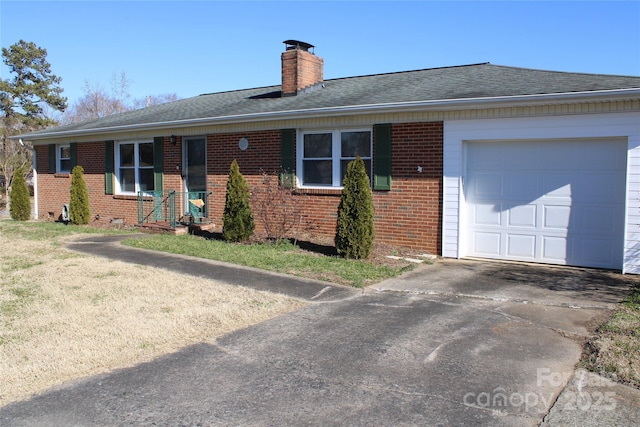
<point x="64" y="316"/>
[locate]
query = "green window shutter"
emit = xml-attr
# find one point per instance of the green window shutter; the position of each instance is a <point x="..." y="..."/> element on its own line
<point x="108" y="167"/>
<point x="288" y="157"/>
<point x="158" y="158"/>
<point x="52" y="158"/>
<point x="73" y="153"/>
<point x="382" y="157"/>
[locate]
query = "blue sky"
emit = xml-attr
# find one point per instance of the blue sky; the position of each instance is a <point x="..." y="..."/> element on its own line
<point x="194" y="47"/>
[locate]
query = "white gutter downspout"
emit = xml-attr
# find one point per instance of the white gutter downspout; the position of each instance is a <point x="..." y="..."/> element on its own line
<point x="35" y="185"/>
<point x="34" y="210"/>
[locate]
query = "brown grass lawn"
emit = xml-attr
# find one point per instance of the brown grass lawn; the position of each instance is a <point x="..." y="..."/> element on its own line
<point x="64" y="315"/>
<point x="614" y="350"/>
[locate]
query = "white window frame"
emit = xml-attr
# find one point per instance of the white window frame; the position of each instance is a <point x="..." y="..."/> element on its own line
<point x="136" y="166"/>
<point x="336" y="155"/>
<point x="59" y="158"/>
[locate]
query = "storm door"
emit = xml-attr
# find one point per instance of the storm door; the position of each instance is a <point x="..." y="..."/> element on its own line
<point x="195" y="177"/>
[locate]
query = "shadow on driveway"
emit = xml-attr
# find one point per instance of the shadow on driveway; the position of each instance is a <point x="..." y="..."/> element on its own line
<point x="506" y="281"/>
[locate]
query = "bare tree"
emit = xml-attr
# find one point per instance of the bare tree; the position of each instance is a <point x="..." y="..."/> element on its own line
<point x="97" y="103"/>
<point x="120" y="92"/>
<point x="14" y="156"/>
<point x="154" y="100"/>
<point x="94" y="104"/>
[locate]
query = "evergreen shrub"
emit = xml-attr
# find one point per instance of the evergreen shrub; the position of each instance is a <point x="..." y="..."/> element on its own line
<point x="355" y="226"/>
<point x="237" y="219"/>
<point x="20" y="204"/>
<point x="79" y="212"/>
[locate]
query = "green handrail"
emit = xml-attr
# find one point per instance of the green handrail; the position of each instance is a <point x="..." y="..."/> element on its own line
<point x="163" y="206"/>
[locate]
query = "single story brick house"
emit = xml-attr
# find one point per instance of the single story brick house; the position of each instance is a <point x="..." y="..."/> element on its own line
<point x="478" y="160"/>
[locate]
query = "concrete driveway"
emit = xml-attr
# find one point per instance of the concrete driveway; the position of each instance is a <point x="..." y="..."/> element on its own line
<point x="454" y="343"/>
<point x="517" y="282"/>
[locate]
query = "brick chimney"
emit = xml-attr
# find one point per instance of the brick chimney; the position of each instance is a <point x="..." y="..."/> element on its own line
<point x="301" y="69"/>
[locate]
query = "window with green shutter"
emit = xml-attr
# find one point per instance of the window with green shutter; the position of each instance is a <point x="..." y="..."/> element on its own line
<point x="63" y="158"/>
<point x="137" y="168"/>
<point x="382" y="157"/>
<point x="324" y="155"/>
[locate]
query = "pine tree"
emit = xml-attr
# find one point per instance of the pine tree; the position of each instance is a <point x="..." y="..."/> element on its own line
<point x="20" y="208"/>
<point x="355" y="227"/>
<point x="79" y="212"/>
<point x="237" y="220"/>
<point x="28" y="96"/>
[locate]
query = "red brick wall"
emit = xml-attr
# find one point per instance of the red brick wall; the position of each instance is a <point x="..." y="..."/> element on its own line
<point x="407" y="216"/>
<point x="53" y="190"/>
<point x="410" y="215"/>
<point x="262" y="156"/>
<point x="300" y="69"/>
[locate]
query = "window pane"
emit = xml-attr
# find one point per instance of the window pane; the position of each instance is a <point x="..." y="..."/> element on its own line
<point x="126" y="155"/>
<point x="197" y="178"/>
<point x="65" y="164"/>
<point x="146" y="179"/>
<point x="145" y="152"/>
<point x="356" y="144"/>
<point x="345" y="163"/>
<point x="196" y="164"/>
<point x="128" y="180"/>
<point x="196" y="152"/>
<point x="317" y="172"/>
<point x="317" y="145"/>
<point x="65" y="152"/>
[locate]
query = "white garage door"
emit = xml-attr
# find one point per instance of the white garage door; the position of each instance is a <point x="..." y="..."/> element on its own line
<point x="558" y="202"/>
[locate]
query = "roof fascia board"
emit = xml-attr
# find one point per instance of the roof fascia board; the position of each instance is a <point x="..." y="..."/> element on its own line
<point x="434" y="105"/>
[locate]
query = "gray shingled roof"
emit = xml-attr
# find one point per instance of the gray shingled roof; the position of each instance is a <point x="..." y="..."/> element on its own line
<point x="435" y="84"/>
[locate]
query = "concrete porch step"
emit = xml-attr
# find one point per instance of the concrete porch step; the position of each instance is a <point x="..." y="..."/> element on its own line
<point x="165" y="227"/>
<point x="162" y="227"/>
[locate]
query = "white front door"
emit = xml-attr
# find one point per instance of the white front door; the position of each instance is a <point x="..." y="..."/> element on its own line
<point x="559" y="202"/>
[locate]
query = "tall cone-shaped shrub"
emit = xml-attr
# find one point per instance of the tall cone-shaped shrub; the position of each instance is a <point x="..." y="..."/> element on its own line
<point x="355" y="230"/>
<point x="237" y="220"/>
<point x="79" y="212"/>
<point x="20" y="208"/>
